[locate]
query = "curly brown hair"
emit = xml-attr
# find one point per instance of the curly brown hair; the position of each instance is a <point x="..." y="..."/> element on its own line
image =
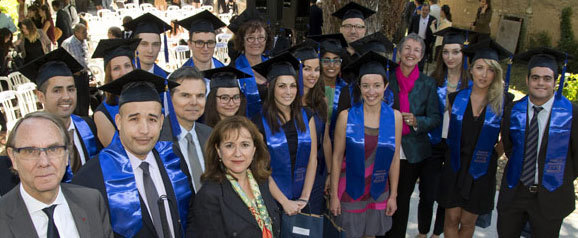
<point x="248" y="28"/>
<point x="231" y="126"/>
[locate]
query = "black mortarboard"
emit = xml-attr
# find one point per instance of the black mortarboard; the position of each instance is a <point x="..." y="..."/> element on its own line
<point x="111" y="48"/>
<point x="248" y="15"/>
<point x="305" y="50"/>
<point x="284" y="64"/>
<point x="137" y="86"/>
<point x="353" y="10"/>
<point x="147" y="23"/>
<point x="56" y="63"/>
<point x="454" y="35"/>
<point x="334" y="43"/>
<point x="372" y="63"/>
<point x="487" y="49"/>
<point x="225" y="77"/>
<point x="377" y="42"/>
<point x="204" y="21"/>
<point x="543" y="57"/>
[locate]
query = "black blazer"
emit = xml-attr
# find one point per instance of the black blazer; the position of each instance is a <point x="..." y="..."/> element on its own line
<point x="8" y="180"/>
<point x="90" y="175"/>
<point x="560" y="202"/>
<point x="414" y="28"/>
<point x="63" y="22"/>
<point x="220" y="212"/>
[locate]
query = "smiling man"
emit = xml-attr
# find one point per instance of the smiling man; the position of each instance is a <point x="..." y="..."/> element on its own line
<point x="41" y="206"/>
<point x="189" y="104"/>
<point x="202" y="40"/>
<point x="353" y="18"/>
<point x="147" y="193"/>
<point x="56" y="90"/>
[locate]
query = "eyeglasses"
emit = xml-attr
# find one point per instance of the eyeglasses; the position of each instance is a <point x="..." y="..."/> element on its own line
<point x="331" y="61"/>
<point x="349" y="27"/>
<point x="201" y="44"/>
<point x="227" y="98"/>
<point x="259" y="39"/>
<point x="33" y="153"/>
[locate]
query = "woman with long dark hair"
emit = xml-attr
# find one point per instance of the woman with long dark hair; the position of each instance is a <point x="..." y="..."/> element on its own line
<point x="225" y="98"/>
<point x="5" y="47"/>
<point x="47" y="22"/>
<point x="483" y="19"/>
<point x="289" y="132"/>
<point x="32" y="43"/>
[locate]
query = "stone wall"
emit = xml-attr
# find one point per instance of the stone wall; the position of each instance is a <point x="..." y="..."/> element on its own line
<point x="538" y="15"/>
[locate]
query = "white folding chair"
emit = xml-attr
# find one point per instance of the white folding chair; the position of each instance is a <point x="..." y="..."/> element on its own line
<point x="221" y="49"/>
<point x="5" y="79"/>
<point x="145" y="7"/>
<point x="207" y="7"/>
<point x="15" y="79"/>
<point x="102" y="12"/>
<point x="173" y="8"/>
<point x="8" y="108"/>
<point x="26" y="98"/>
<point x="130" y="5"/>
<point x="181" y="55"/>
<point x="226" y="17"/>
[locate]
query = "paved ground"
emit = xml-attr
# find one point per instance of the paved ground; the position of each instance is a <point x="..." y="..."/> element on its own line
<point x="569" y="227"/>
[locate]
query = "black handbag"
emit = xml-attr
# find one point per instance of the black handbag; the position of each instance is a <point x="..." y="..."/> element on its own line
<point x="301" y="225"/>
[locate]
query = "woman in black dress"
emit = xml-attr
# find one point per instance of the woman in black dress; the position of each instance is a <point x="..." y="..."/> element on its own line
<point x="469" y="177"/>
<point x="32" y="43"/>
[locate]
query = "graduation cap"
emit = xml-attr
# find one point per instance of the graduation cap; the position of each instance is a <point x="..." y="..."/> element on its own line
<point x="225" y="77"/>
<point x="487" y="49"/>
<point x="305" y="50"/>
<point x="204" y="21"/>
<point x="546" y="57"/>
<point x="455" y="35"/>
<point x="112" y="48"/>
<point x="284" y="64"/>
<point x="56" y="63"/>
<point x="147" y="23"/>
<point x="353" y="10"/>
<point x="250" y="14"/>
<point x="137" y="86"/>
<point x="372" y="63"/>
<point x="334" y="43"/>
<point x="376" y="42"/>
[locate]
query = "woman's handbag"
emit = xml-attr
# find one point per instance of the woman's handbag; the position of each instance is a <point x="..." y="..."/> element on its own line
<point x="301" y="225"/>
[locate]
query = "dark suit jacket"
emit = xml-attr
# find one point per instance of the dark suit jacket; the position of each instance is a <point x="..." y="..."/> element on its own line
<point x="220" y="212"/>
<point x="203" y="133"/>
<point x="315" y="20"/>
<point x="87" y="207"/>
<point x="8" y="180"/>
<point x="423" y="103"/>
<point x="414" y="28"/>
<point x="65" y="24"/>
<point x="90" y="175"/>
<point x="560" y="202"/>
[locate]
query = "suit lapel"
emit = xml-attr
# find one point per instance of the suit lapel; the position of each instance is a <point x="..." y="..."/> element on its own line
<point x="78" y="213"/>
<point x="236" y="204"/>
<point x="170" y="195"/>
<point x="202" y="137"/>
<point x="21" y="223"/>
<point x="84" y="150"/>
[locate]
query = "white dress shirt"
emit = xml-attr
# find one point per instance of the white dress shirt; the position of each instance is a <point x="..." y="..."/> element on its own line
<point x="423" y="26"/>
<point x="63" y="219"/>
<point x="77" y="142"/>
<point x="543" y="117"/>
<point x="157" y="180"/>
<point x="183" y="144"/>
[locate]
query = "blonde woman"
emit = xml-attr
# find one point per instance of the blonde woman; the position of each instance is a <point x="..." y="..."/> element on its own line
<point x="32" y="42"/>
<point x="469" y="177"/>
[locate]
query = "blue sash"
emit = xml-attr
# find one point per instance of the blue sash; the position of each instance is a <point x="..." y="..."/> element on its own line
<point x="216" y="63"/>
<point x="355" y="151"/>
<point x="112" y="111"/>
<point x="388" y="97"/>
<point x="486" y="140"/>
<point x="159" y="72"/>
<point x="121" y="190"/>
<point x="289" y="182"/>
<point x="249" y="85"/>
<point x="435" y="135"/>
<point x="556" y="150"/>
<point x="88" y="139"/>
<point x="339" y="84"/>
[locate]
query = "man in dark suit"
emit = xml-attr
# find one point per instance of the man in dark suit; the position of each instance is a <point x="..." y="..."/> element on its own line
<point x="189" y="136"/>
<point x="57" y="91"/>
<point x="146" y="191"/>
<point x="315" y="18"/>
<point x="63" y="21"/>
<point x="41" y="206"/>
<point x="7" y="176"/>
<point x="540" y="137"/>
<point x="421" y="25"/>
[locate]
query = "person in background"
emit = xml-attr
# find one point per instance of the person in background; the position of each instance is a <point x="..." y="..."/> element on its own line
<point x="7" y="22"/>
<point x="353" y="27"/>
<point x="445" y="21"/>
<point x="236" y="178"/>
<point x="114" y="32"/>
<point x="315" y="19"/>
<point x="33" y="13"/>
<point x="32" y="42"/>
<point x="483" y="19"/>
<point x="76" y="44"/>
<point x="45" y="17"/>
<point x="232" y="7"/>
<point x="82" y="6"/>
<point x="177" y="35"/>
<point x="63" y="21"/>
<point x="126" y="33"/>
<point x="71" y="10"/>
<point x="5" y="48"/>
<point x="434" y="9"/>
<point x="42" y="206"/>
<point x="225" y="98"/>
<point x="421" y="25"/>
<point x="202" y="29"/>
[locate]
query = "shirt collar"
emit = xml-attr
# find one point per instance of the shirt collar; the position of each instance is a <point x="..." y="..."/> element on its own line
<point x="135" y="162"/>
<point x="184" y="131"/>
<point x="33" y="205"/>
<point x="71" y="126"/>
<point x="547" y="107"/>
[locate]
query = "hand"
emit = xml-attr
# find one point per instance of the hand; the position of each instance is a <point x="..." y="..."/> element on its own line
<point x="434" y="22"/>
<point x="292" y="207"/>
<point x="409" y="119"/>
<point x="391" y="206"/>
<point x="335" y="205"/>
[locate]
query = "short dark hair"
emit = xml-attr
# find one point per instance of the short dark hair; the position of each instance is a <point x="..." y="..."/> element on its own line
<point x="115" y="31"/>
<point x="186" y="73"/>
<point x="56" y="4"/>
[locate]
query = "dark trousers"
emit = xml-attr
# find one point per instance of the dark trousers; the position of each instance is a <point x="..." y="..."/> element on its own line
<point x="525" y="208"/>
<point x="429" y="184"/>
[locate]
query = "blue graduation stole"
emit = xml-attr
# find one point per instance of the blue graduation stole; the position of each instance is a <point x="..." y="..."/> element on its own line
<point x="435" y="135"/>
<point x="216" y="63"/>
<point x="249" y="85"/>
<point x="355" y="151"/>
<point x="556" y="150"/>
<point x="339" y="84"/>
<point x="289" y="182"/>
<point x="388" y="97"/>
<point x="112" y="111"/>
<point x="486" y="140"/>
<point x="88" y="139"/>
<point x="159" y="71"/>
<point x="121" y="190"/>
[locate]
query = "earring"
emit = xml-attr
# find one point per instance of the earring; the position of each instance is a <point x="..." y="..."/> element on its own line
<point x="222" y="166"/>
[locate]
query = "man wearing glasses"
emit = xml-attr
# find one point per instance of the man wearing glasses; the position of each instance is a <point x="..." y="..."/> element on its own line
<point x="353" y="18"/>
<point x="202" y="40"/>
<point x="41" y="206"/>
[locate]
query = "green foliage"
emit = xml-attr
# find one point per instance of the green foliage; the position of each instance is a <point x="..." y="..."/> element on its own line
<point x="10" y="8"/>
<point x="540" y="39"/>
<point x="570" y="90"/>
<point x="567" y="42"/>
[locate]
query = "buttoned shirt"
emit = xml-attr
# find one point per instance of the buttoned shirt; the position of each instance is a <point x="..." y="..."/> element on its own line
<point x="77" y="142"/>
<point x="78" y="49"/>
<point x="63" y="219"/>
<point x="183" y="144"/>
<point x="543" y="117"/>
<point x="423" y="26"/>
